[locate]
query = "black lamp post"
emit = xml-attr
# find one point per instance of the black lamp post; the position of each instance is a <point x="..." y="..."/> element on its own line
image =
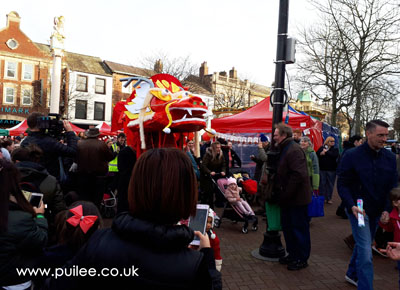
<point x="272" y="248"/>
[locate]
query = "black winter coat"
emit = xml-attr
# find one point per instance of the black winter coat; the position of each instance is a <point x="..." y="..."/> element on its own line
<point x="21" y="245"/>
<point x="52" y="149"/>
<point x="292" y="179"/>
<point x="126" y="162"/>
<point x="160" y="253"/>
<point x="328" y="162"/>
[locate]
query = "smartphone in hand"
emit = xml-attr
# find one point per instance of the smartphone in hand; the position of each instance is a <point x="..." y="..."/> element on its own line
<point x="199" y="222"/>
<point x="36" y="199"/>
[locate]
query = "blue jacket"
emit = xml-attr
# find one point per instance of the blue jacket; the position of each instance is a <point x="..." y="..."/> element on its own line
<point x="367" y="174"/>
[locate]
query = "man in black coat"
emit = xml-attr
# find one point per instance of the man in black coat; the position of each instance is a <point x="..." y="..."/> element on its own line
<point x="52" y="149"/>
<point x="292" y="184"/>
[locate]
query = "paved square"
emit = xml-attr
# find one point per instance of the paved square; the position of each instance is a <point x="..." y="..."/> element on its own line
<point x="327" y="264"/>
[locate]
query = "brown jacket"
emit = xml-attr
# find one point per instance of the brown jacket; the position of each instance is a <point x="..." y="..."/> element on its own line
<point x="93" y="156"/>
<point x="210" y="165"/>
<point x="292" y="179"/>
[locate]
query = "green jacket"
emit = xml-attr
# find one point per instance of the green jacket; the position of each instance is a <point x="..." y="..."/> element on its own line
<point x="21" y="244"/>
<point x="313" y="167"/>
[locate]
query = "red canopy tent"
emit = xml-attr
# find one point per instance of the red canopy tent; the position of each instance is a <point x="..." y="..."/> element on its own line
<point x="105" y="129"/>
<point x="258" y="119"/>
<point x="76" y="129"/>
<point x="18" y="129"/>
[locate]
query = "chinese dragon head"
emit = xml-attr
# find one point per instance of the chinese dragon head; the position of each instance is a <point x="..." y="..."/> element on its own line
<point x="158" y="112"/>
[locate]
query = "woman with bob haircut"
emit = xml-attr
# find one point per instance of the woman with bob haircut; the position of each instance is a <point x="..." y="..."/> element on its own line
<point x="327" y="156"/>
<point x="146" y="244"/>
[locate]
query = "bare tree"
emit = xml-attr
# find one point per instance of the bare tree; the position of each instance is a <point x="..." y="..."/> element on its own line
<point x="361" y="49"/>
<point x="235" y="94"/>
<point x="396" y="121"/>
<point x="179" y="67"/>
<point x="323" y="70"/>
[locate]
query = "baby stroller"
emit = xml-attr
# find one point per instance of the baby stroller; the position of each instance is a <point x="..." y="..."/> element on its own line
<point x="248" y="185"/>
<point x="233" y="213"/>
<point x="108" y="206"/>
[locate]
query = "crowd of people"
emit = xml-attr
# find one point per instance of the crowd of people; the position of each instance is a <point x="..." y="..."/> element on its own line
<point x="161" y="188"/>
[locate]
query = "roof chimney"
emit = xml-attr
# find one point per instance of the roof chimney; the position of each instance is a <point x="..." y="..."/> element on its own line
<point x="13" y="19"/>
<point x="158" y="66"/>
<point x="203" y="70"/>
<point x="233" y="73"/>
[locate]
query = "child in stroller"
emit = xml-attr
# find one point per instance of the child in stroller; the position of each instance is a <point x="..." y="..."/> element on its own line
<point x="232" y="194"/>
<point x="236" y="209"/>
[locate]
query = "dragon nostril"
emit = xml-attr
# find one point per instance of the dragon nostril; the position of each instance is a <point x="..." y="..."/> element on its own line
<point x="194" y="103"/>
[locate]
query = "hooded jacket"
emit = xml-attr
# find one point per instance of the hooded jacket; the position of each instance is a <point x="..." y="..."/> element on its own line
<point x="47" y="184"/>
<point x="160" y="252"/>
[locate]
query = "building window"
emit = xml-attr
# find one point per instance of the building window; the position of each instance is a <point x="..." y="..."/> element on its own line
<point x="11" y="70"/>
<point x="9" y="95"/>
<point x="80" y="109"/>
<point x="81" y="83"/>
<point x="99" y="109"/>
<point x="26" y="97"/>
<point x="100" y="86"/>
<point x="27" y="72"/>
<point x="12" y="43"/>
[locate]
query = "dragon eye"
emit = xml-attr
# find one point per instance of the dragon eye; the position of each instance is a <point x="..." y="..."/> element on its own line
<point x="186" y="94"/>
<point x="165" y="92"/>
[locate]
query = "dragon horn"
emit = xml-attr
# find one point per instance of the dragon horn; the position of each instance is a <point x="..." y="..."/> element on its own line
<point x="138" y="79"/>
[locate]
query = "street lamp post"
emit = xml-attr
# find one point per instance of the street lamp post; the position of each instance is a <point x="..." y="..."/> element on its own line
<point x="272" y="248"/>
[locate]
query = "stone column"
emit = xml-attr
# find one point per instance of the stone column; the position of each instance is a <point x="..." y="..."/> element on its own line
<point x="57" y="50"/>
<point x="56" y="82"/>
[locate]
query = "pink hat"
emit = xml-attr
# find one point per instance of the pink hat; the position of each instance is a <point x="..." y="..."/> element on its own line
<point x="231" y="180"/>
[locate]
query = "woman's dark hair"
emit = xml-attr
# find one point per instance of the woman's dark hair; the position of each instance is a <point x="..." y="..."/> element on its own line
<point x="163" y="187"/>
<point x="72" y="236"/>
<point x="9" y="185"/>
<point x="31" y="153"/>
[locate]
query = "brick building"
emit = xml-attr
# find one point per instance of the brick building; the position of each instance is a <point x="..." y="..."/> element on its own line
<point x="120" y="71"/>
<point x="231" y="94"/>
<point x="24" y="74"/>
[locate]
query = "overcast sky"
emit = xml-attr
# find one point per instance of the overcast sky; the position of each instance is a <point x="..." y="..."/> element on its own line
<point x="225" y="33"/>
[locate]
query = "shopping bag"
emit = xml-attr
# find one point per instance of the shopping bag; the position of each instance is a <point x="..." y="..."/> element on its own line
<point x="316" y="207"/>
<point x="273" y="212"/>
